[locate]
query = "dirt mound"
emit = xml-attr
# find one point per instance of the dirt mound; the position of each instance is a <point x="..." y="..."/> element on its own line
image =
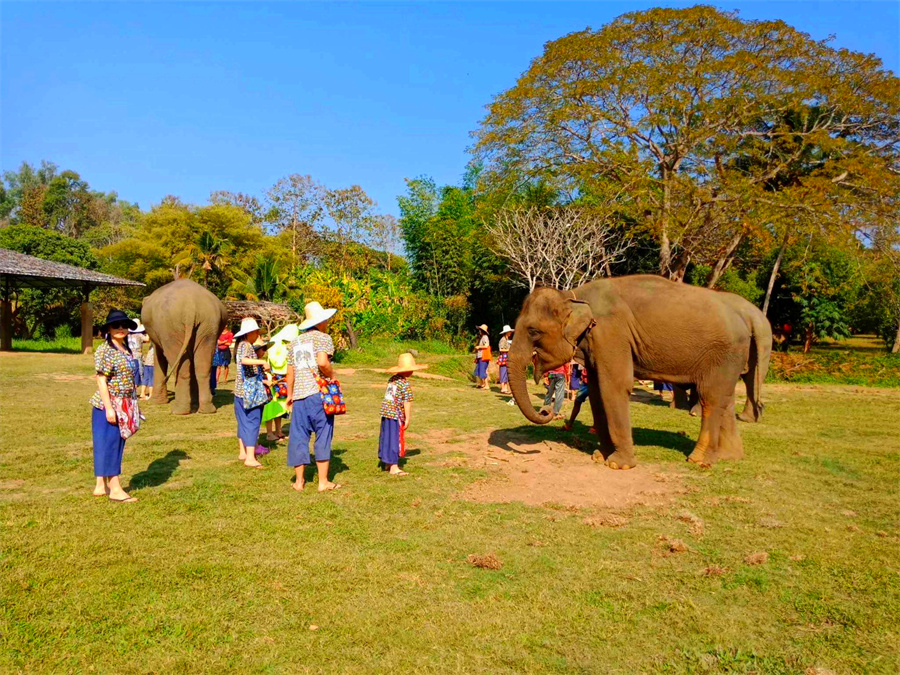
<point x="541" y="472"/>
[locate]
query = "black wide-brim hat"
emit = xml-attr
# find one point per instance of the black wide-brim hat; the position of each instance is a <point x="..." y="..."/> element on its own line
<point x="118" y="316"/>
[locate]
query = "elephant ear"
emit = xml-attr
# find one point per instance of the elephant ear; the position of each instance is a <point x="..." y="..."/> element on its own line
<point x="579" y="321"/>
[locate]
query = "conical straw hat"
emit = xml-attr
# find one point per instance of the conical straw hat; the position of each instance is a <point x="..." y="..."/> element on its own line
<point x="315" y="314"/>
<point x="406" y="363"/>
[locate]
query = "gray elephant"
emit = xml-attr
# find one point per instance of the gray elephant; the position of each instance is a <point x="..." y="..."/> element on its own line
<point x="183" y="321"/>
<point x="639" y="326"/>
<point x="758" y="357"/>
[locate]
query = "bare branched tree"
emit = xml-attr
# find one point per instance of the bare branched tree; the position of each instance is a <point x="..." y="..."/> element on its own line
<point x="558" y="247"/>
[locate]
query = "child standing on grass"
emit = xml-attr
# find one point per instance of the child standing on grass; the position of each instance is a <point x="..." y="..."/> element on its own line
<point x="396" y="413"/>
<point x="149" y="367"/>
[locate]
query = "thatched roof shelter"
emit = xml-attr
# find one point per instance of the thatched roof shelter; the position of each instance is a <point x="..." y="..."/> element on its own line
<point x="18" y="270"/>
<point x="270" y="315"/>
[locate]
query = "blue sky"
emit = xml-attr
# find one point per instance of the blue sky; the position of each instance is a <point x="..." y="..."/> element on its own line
<point x="154" y="98"/>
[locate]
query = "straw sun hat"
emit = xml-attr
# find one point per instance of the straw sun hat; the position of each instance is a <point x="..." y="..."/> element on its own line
<point x="287" y="334"/>
<point x="315" y="314"/>
<point x="507" y="329"/>
<point x="482" y="327"/>
<point x="248" y="325"/>
<point x="406" y="363"/>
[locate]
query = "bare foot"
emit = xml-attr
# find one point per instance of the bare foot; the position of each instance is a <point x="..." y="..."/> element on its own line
<point x="104" y="493"/>
<point x="122" y="498"/>
<point x="327" y="487"/>
<point x="298" y="485"/>
<point x="253" y="465"/>
<point x="399" y="472"/>
<point x="271" y="438"/>
<point x="242" y="456"/>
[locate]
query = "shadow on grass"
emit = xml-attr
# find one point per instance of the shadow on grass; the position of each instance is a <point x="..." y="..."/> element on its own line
<point x="513" y="440"/>
<point x="158" y="472"/>
<point x="336" y="466"/>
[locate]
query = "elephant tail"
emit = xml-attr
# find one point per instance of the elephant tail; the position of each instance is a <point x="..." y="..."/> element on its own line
<point x="174" y="365"/>
<point x="762" y="345"/>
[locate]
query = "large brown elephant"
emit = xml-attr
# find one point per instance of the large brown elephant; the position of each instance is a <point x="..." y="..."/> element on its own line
<point x="183" y="320"/>
<point x="638" y="326"/>
<point x="687" y="398"/>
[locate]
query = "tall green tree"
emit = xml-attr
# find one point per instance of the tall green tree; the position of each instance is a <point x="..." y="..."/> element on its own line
<point x="659" y="104"/>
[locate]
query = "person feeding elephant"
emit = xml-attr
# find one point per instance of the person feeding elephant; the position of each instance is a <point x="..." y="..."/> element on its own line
<point x="249" y="394"/>
<point x="309" y="357"/>
<point x="277" y="355"/>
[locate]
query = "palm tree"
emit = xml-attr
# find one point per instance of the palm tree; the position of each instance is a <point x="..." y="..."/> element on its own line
<point x="209" y="253"/>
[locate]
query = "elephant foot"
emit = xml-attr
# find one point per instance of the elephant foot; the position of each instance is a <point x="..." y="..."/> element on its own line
<point x="748" y="416"/>
<point x="731" y="448"/>
<point x="696" y="410"/>
<point x="176" y="409"/>
<point x="621" y="460"/>
<point x="703" y="456"/>
<point x="207" y="408"/>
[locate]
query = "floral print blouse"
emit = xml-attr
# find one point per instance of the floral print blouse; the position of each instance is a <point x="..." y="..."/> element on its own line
<point x="244" y="351"/>
<point x="399" y="390"/>
<point x="116" y="367"/>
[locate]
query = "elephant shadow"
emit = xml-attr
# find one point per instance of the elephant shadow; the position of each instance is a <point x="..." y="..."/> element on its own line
<point x="158" y="472"/>
<point x="513" y="440"/>
<point x="648" y="398"/>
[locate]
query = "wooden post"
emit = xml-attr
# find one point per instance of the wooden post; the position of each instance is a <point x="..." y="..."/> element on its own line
<point x="6" y="325"/>
<point x="87" y="324"/>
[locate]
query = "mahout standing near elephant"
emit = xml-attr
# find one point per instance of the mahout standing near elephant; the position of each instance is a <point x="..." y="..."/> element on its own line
<point x="222" y="357"/>
<point x="637" y="326"/>
<point x="309" y="357"/>
<point x="249" y="393"/>
<point x="183" y="320"/>
<point x="115" y="397"/>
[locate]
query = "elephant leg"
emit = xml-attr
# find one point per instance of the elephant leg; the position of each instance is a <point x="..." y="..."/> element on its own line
<point x="601" y="424"/>
<point x="203" y="368"/>
<point x="716" y="399"/>
<point x="730" y="444"/>
<point x="182" y="403"/>
<point x="160" y="392"/>
<point x="752" y="407"/>
<point x="616" y="383"/>
<point x="694" y="401"/>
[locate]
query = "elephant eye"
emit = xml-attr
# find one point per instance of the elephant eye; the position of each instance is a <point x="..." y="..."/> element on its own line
<point x="534" y="333"/>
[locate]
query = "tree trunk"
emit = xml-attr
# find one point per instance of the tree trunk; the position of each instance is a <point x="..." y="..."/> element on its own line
<point x="772" y="277"/>
<point x="351" y="335"/>
<point x="724" y="261"/>
<point x="896" y="348"/>
<point x="807" y="342"/>
<point x="665" y="247"/>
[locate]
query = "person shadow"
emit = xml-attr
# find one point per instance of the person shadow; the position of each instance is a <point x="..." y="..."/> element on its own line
<point x="158" y="472"/>
<point x="336" y="466"/>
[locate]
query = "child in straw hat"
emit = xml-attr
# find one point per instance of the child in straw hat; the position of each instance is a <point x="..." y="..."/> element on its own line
<point x="503" y="359"/>
<point x="482" y="358"/>
<point x="396" y="412"/>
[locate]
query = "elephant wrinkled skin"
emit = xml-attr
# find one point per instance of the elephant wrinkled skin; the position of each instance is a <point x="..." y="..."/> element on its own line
<point x="646" y="327"/>
<point x="183" y="321"/>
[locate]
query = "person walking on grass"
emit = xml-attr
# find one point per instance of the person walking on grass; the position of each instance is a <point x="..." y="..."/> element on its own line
<point x="276" y="409"/>
<point x="580" y="398"/>
<point x="503" y="359"/>
<point x="248" y="404"/>
<point x="309" y="357"/>
<point x="115" y="387"/>
<point x="482" y="358"/>
<point x="135" y="342"/>
<point x="396" y="414"/>
<point x="556" y="390"/>
<point x="146" y="388"/>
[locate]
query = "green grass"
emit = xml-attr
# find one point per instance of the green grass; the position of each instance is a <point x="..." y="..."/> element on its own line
<point x="222" y="569"/>
<point x="63" y="345"/>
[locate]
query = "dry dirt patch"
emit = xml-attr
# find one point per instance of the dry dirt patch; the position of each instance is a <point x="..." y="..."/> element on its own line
<point x="538" y="473"/>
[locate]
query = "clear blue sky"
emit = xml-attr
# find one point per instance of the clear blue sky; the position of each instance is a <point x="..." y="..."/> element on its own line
<point x="153" y="98"/>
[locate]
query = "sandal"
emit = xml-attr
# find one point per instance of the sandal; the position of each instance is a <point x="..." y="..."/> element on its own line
<point x="399" y="473"/>
<point x="128" y="500"/>
<point x="334" y="486"/>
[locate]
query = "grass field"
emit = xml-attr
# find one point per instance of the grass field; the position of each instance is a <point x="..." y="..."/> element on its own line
<point x="661" y="569"/>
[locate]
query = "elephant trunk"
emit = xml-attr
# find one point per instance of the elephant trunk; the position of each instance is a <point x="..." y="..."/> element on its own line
<point x="519" y="358"/>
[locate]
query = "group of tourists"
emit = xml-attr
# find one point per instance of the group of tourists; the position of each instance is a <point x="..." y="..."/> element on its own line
<point x="290" y="374"/>
<point x="483" y="358"/>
